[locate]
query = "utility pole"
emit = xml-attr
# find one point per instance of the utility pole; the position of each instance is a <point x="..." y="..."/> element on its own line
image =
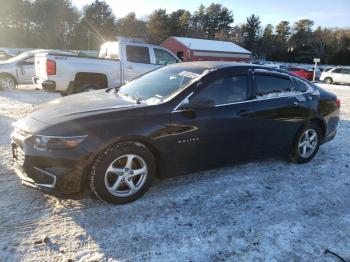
<point x="316" y="60"/>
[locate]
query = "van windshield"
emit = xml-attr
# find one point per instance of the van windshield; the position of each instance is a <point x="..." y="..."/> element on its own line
<point x="156" y="86"/>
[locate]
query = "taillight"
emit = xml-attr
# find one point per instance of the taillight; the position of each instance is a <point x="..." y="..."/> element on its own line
<point x="50" y="67"/>
<point x="337" y="101"/>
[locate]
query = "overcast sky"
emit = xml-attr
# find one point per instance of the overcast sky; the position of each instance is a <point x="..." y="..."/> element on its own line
<point x="327" y="13"/>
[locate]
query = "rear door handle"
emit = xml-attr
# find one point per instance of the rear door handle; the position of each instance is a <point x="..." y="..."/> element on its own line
<point x="244" y="112"/>
<point x="130" y="67"/>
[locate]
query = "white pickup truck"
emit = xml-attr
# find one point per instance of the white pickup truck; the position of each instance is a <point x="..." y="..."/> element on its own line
<point x="118" y="63"/>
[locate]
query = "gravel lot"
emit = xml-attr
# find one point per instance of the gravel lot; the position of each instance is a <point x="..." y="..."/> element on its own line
<point x="270" y="210"/>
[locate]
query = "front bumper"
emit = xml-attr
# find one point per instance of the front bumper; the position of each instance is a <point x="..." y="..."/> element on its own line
<point x="57" y="171"/>
<point x="49" y="86"/>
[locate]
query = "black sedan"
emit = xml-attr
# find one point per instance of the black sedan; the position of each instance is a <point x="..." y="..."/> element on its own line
<point x="178" y="119"/>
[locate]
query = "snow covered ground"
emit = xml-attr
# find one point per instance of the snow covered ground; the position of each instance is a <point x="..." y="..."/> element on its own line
<point x="269" y="210"/>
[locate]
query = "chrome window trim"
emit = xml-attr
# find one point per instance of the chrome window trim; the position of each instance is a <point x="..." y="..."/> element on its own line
<point x="263" y="99"/>
<point x="241" y="102"/>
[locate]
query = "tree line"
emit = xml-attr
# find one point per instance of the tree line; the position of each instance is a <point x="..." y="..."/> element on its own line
<point x="58" y="24"/>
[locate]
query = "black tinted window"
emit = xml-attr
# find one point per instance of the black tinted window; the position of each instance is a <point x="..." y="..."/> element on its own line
<point x="337" y="70"/>
<point x="300" y="85"/>
<point x="225" y="90"/>
<point x="138" y="54"/>
<point x="271" y="84"/>
<point x="346" y="71"/>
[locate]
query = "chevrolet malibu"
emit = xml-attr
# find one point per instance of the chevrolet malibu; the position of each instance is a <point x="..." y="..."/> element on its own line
<point x="175" y="120"/>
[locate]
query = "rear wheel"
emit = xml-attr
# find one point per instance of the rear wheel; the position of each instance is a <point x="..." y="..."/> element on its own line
<point x="306" y="144"/>
<point x="122" y="173"/>
<point x="328" y="80"/>
<point x="7" y="82"/>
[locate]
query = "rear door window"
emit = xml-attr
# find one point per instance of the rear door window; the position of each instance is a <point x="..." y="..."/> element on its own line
<point x="300" y="86"/>
<point x="346" y="71"/>
<point x="138" y="54"/>
<point x="267" y="85"/>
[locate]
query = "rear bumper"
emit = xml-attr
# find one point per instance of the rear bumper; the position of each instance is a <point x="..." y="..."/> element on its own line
<point x="49" y="86"/>
<point x="332" y="121"/>
<point x="329" y="137"/>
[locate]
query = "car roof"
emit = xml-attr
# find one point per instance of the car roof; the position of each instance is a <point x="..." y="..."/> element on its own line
<point x="217" y="65"/>
<point x="213" y="64"/>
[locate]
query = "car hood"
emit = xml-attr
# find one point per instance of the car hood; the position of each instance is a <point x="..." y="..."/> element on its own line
<point x="80" y="105"/>
<point x="5" y="65"/>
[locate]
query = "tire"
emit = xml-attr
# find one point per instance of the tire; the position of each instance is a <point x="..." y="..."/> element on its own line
<point x="328" y="80"/>
<point x="116" y="186"/>
<point x="304" y="148"/>
<point x="8" y="82"/>
<point x="86" y="88"/>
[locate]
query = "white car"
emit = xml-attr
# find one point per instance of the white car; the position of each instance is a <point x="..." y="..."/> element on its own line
<point x="336" y="75"/>
<point x="118" y="63"/>
<point x="19" y="70"/>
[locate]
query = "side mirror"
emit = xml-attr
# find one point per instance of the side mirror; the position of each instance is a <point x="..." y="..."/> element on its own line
<point x="201" y="104"/>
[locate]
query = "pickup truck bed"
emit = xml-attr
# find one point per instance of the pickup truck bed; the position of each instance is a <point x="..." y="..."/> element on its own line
<point x="121" y="62"/>
<point x="98" y="72"/>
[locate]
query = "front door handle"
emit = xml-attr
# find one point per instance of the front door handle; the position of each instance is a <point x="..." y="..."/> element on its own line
<point x="244" y="112"/>
<point x="295" y="104"/>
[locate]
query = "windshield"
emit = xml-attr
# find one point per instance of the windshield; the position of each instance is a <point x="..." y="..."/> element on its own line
<point x="157" y="85"/>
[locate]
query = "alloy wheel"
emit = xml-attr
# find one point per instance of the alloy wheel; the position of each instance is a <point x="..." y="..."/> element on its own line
<point x="126" y="175"/>
<point x="328" y="81"/>
<point x="308" y="143"/>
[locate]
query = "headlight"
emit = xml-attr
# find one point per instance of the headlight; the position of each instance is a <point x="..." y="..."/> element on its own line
<point x="56" y="142"/>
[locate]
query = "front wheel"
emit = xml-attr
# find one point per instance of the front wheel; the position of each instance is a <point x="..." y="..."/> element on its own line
<point x="7" y="82"/>
<point x="306" y="144"/>
<point x="122" y="173"/>
<point x="328" y="80"/>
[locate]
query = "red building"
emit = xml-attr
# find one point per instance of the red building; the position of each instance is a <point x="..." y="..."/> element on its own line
<point x="192" y="49"/>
